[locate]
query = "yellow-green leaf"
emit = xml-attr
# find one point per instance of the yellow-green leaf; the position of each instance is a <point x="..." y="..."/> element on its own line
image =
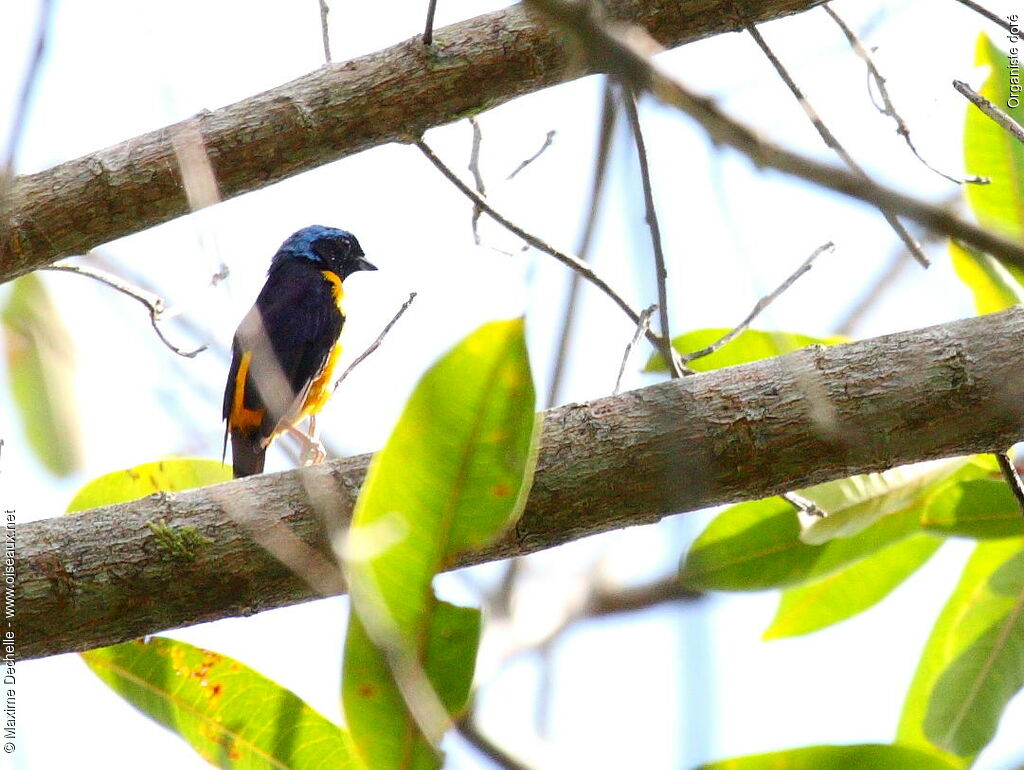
<point x="374" y="702"/>
<point x="868" y="756"/>
<point x="853" y="589"/>
<point x="40" y="372"/>
<point x="991" y="282"/>
<point x="174" y="474"/>
<point x="980" y="508"/>
<point x="992" y="152"/>
<point x="231" y="715"/>
<point x="749" y="345"/>
<point x="971" y="664"/>
<point x="856" y="503"/>
<point x="453" y="474"/>
<point x="759" y="545"/>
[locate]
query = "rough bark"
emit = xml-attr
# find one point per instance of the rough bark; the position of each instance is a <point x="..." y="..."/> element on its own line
<point x="741" y="433"/>
<point x="393" y="95"/>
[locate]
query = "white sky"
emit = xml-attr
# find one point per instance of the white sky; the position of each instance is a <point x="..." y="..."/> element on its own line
<point x="689" y="686"/>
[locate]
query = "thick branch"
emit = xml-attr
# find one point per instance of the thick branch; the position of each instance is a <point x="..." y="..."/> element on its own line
<point x="741" y="433"/>
<point x="392" y="95"/>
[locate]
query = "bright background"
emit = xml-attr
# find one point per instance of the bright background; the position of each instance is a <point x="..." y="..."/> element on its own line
<point x="687" y="684"/>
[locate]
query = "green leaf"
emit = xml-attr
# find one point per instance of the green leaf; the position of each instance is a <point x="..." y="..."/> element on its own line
<point x="374" y="705"/>
<point x="454" y="473"/>
<point x="851" y="590"/>
<point x="868" y="756"/>
<point x="40" y="373"/>
<point x="993" y="285"/>
<point x="231" y="715"/>
<point x="174" y="474"/>
<point x="749" y="345"/>
<point x="973" y="661"/>
<point x="759" y="545"/>
<point x="858" y="502"/>
<point x="990" y="151"/>
<point x="978" y="508"/>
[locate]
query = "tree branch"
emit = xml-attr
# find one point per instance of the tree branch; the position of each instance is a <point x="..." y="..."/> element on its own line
<point x="393" y="95"/>
<point x="741" y="433"/>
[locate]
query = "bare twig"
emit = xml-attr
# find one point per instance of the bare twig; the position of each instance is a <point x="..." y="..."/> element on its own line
<point x="325" y="31"/>
<point x="641" y="328"/>
<point x="1009" y="472"/>
<point x="675" y="365"/>
<point x="604" y="143"/>
<point x="803" y="506"/>
<point x="887" y="107"/>
<point x="153" y="303"/>
<point x="547" y="143"/>
<point x="376" y="343"/>
<point x="834" y="144"/>
<point x="573" y="263"/>
<point x="1007" y="123"/>
<point x="987" y="14"/>
<point x="470" y="731"/>
<point x="761" y="305"/>
<point x="886" y="280"/>
<point x="478" y="180"/>
<point x="623" y="57"/>
<point x="428" y="30"/>
<point x="21" y="107"/>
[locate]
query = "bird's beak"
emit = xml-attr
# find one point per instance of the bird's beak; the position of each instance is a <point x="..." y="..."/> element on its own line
<point x="364" y="264"/>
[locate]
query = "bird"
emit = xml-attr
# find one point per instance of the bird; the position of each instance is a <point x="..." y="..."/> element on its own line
<point x="286" y="347"/>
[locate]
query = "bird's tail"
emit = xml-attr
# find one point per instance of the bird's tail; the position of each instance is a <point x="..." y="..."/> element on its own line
<point x="247" y="454"/>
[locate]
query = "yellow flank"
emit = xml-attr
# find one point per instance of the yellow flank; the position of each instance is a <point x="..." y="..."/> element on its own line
<point x="322" y="387"/>
<point x="243" y="419"/>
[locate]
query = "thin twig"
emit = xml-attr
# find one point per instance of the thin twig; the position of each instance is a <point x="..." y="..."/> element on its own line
<point x="478" y="180"/>
<point x="887" y="107"/>
<point x="761" y="305"/>
<point x="1005" y="121"/>
<point x="609" y="112"/>
<point x="573" y="263"/>
<point x="833" y="143"/>
<point x="153" y="303"/>
<point x="376" y="342"/>
<point x="987" y="14"/>
<point x="886" y="279"/>
<point x="547" y="143"/>
<point x="641" y="328"/>
<point x="325" y="9"/>
<point x="24" y="96"/>
<point x="470" y="731"/>
<point x="428" y="30"/>
<point x="21" y="107"/>
<point x="675" y="365"/>
<point x="803" y="505"/>
<point x="1009" y="472"/>
<point x="623" y="56"/>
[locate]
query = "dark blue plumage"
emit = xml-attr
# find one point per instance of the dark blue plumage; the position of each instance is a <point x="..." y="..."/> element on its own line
<point x="285" y="348"/>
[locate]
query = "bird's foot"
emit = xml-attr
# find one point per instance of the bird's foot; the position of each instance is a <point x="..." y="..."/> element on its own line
<point x="313" y="453"/>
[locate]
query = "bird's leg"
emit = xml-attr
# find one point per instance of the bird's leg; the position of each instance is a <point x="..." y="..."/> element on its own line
<point x="313" y="452"/>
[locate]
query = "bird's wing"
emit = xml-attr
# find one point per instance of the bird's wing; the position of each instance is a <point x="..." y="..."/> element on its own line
<point x="288" y="336"/>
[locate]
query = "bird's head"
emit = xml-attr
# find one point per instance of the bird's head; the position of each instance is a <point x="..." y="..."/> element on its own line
<point x="326" y="247"/>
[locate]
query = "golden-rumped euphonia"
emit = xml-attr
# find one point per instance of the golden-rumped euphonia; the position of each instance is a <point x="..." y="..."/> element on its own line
<point x="285" y="349"/>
